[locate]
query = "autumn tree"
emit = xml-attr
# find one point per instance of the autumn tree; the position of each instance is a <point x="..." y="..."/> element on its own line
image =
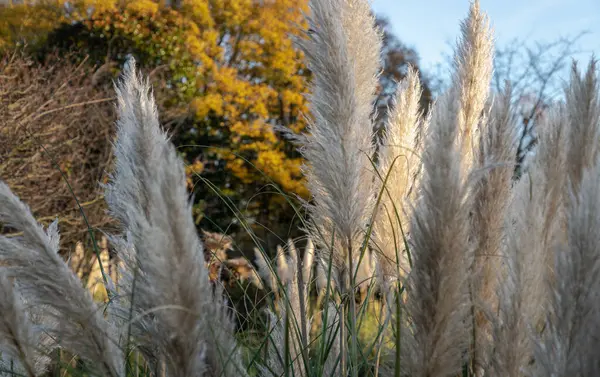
<point x="234" y="66"/>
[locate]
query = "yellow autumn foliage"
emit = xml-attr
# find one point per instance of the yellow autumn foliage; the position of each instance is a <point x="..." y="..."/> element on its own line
<point x="246" y="71"/>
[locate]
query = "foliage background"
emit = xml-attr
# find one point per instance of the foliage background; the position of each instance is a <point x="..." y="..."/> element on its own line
<point x="227" y="75"/>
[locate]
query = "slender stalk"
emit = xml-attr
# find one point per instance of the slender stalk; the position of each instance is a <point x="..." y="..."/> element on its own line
<point x="343" y="366"/>
<point x="398" y="331"/>
<point x="352" y="310"/>
<point x="303" y="306"/>
<point x="286" y="356"/>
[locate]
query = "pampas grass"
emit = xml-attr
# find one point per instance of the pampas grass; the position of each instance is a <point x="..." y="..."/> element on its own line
<point x="399" y="160"/>
<point x="565" y="348"/>
<point x="441" y="255"/>
<point x="22" y="340"/>
<point x="290" y="328"/>
<point x="583" y="112"/>
<point x="183" y="320"/>
<point x="45" y="280"/>
<point x="478" y="275"/>
<point x="342" y="51"/>
<point x="493" y="172"/>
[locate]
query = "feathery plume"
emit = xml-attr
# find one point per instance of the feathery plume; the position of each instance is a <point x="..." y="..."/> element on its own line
<point x="511" y="333"/>
<point x="171" y="298"/>
<point x="473" y="62"/>
<point x="568" y="343"/>
<point x="274" y="362"/>
<point x="491" y="197"/>
<point x="442" y="253"/>
<point x="308" y="262"/>
<point x="533" y="230"/>
<point x="343" y="53"/>
<point x="20" y="339"/>
<point x="399" y="164"/>
<point x="46" y="281"/>
<point x="265" y="270"/>
<point x="438" y="300"/>
<point x="544" y="186"/>
<point x="284" y="272"/>
<point x="583" y="107"/>
<point x="299" y="287"/>
<point x="294" y="310"/>
<point x="332" y="359"/>
<point x="322" y="279"/>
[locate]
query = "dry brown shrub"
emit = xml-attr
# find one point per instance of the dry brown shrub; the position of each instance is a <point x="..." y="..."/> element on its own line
<point x="56" y="126"/>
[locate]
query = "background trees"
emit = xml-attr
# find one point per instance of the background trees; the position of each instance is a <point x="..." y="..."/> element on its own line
<point x="229" y="76"/>
<point x="535" y="71"/>
<point x="396" y="59"/>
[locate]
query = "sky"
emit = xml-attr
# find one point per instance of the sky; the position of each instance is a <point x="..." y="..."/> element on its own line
<point x="432" y="26"/>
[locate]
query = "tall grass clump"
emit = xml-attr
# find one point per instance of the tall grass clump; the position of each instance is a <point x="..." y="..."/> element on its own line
<point x="461" y="270"/>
